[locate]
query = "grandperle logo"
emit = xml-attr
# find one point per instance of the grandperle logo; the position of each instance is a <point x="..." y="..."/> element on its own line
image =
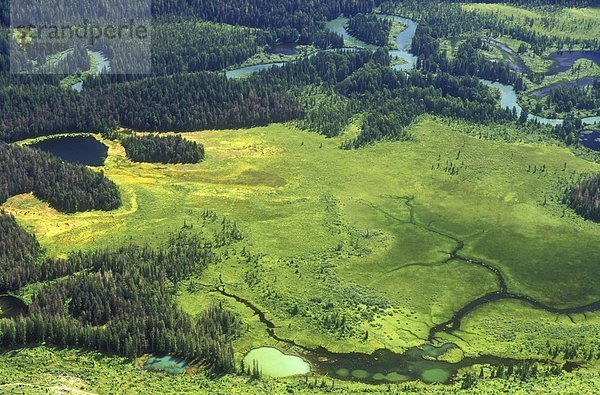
<point x="80" y="37"/>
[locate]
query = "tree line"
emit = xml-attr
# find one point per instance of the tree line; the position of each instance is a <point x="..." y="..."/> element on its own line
<point x="182" y="102"/>
<point x="565" y="99"/>
<point x="162" y="149"/>
<point x="18" y="252"/>
<point x="584" y="197"/>
<point x="393" y="99"/>
<point x="66" y="187"/>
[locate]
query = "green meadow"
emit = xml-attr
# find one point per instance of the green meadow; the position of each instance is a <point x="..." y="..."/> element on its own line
<point x="577" y="23"/>
<point x="360" y="236"/>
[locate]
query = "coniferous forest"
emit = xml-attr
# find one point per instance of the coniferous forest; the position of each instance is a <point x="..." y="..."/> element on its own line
<point x="370" y="28"/>
<point x="584" y="198"/>
<point x="168" y="149"/>
<point x="66" y="187"/>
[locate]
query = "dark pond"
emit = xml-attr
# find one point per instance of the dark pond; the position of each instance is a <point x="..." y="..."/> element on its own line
<point x="384" y="366"/>
<point x="75" y="149"/>
<point x="283" y="49"/>
<point x="563" y="60"/>
<point x="11" y="306"/>
<point x="591" y="140"/>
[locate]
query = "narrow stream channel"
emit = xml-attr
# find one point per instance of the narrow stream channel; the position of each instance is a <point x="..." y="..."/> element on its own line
<point x="417" y="363"/>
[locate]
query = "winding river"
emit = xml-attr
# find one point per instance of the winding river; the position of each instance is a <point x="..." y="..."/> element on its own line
<point x="508" y="95"/>
<point x="103" y="65"/>
<point x="508" y="99"/>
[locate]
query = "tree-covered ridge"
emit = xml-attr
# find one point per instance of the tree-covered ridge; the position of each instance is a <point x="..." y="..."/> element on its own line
<point x="18" y="250"/>
<point x="584" y="198"/>
<point x="187" y="45"/>
<point x="167" y="149"/>
<point x="181" y="102"/>
<point x="66" y="187"/>
<point x="370" y="28"/>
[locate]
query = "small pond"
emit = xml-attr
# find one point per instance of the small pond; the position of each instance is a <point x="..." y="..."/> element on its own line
<point x="563" y="60"/>
<point x="591" y="140"/>
<point x="11" y="306"/>
<point x="75" y="149"/>
<point x="382" y="366"/>
<point x="273" y="363"/>
<point x="167" y="363"/>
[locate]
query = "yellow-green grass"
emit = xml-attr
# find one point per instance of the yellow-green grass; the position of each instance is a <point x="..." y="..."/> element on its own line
<point x="331" y="222"/>
<point x="577" y="23"/>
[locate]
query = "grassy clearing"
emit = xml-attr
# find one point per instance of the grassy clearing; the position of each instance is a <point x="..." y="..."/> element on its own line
<point x="577" y="23"/>
<point x="335" y="230"/>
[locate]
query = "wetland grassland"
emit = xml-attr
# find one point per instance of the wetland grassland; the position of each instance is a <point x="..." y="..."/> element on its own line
<point x="357" y="250"/>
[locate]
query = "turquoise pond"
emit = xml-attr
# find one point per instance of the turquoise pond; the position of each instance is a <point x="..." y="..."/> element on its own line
<point x="273" y="363"/>
<point x="167" y="363"/>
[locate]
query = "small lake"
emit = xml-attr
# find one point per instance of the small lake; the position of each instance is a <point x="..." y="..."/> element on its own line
<point x="591" y="140"/>
<point x="283" y="49"/>
<point x="11" y="306"/>
<point x="381" y="367"/>
<point x="167" y="363"/>
<point x="273" y="363"/>
<point x="75" y="149"/>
